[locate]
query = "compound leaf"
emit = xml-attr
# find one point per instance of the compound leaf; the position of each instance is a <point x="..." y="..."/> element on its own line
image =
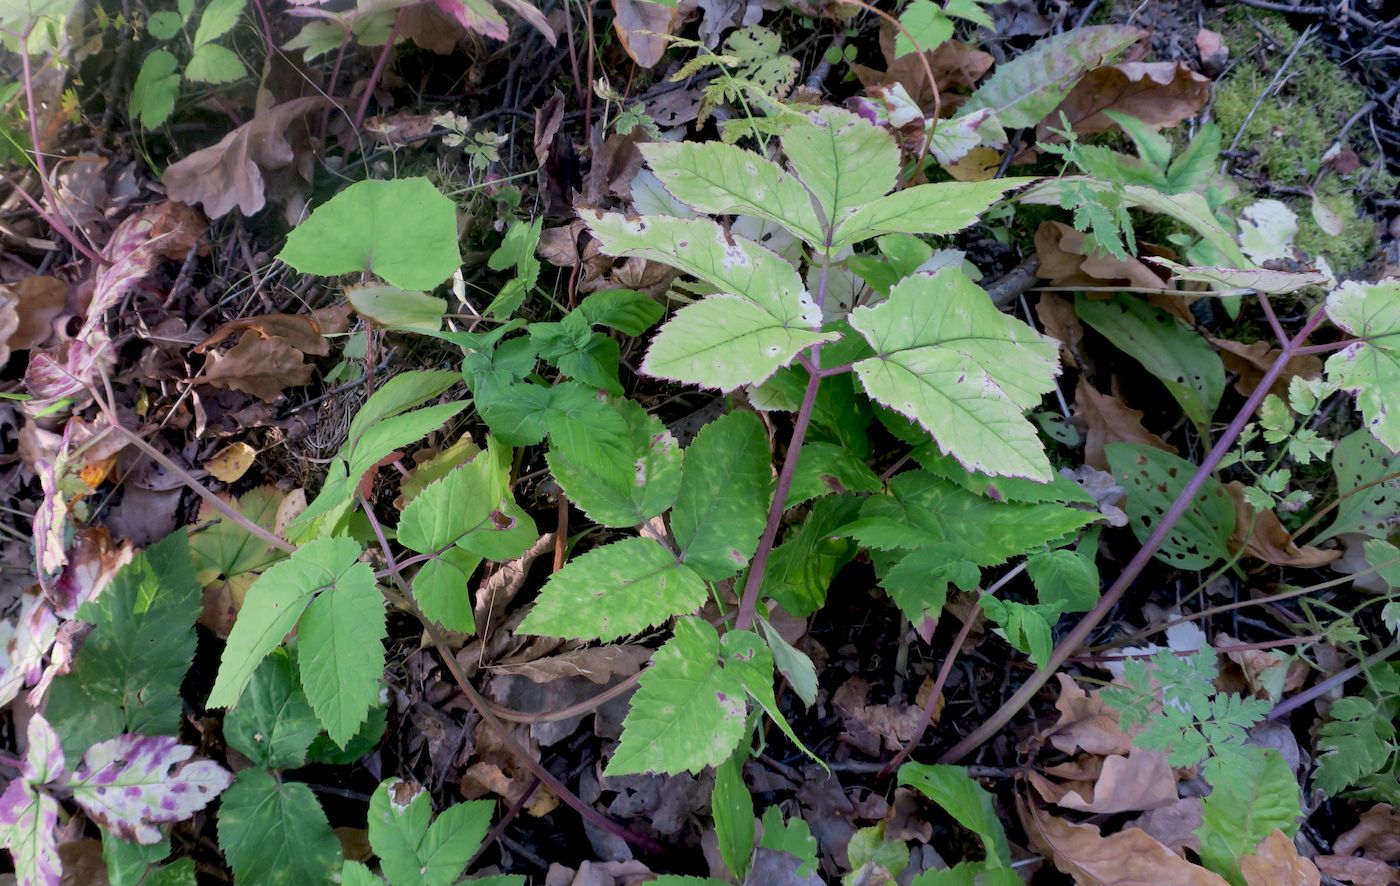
<point x="1370" y="368"/>
<point x="843" y="159"/>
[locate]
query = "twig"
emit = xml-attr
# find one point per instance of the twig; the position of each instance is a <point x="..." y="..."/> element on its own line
<point x="1288" y="705"/>
<point x="378" y="71"/>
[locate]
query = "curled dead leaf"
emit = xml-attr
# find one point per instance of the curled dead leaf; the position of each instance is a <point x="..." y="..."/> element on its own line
<point x="1108" y="419"/>
<point x="27" y="311"/>
<point x="1251" y="361"/>
<point x="297" y="330"/>
<point x="1376" y="835"/>
<point x="1276" y="862"/>
<point x="263" y="367"/>
<point x="642" y="27"/>
<point x="1160" y="94"/>
<point x="1358" y="871"/>
<point x="1140" y="781"/>
<point x="1263" y="537"/>
<point x="1086" y="723"/>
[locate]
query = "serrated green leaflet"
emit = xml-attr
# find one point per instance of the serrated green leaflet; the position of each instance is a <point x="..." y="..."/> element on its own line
<point x="1065" y="579"/>
<point x="924" y="28"/>
<point x="273" y="605"/>
<point x="414" y="849"/>
<point x="393" y="307"/>
<point x="1370" y="369"/>
<point x="462" y="502"/>
<point x="1244" y="810"/>
<point x="274" y="724"/>
<point x="688" y="712"/>
<point x="947" y="358"/>
<point x="1182" y="360"/>
<point x="441" y="589"/>
<point x="942" y="208"/>
<point x="615" y="590"/>
<point x="212" y="63"/>
<point x="723" y="501"/>
<point x="1368" y="493"/>
<point x="826" y="468"/>
<point x="749" y="658"/>
<point x="845" y="161"/>
<point x="626" y="310"/>
<point x="1153" y="479"/>
<point x="275" y="832"/>
<point x="341" y="652"/>
<point x="405" y="231"/>
<point x="792" y="836"/>
<point x="801" y="568"/>
<point x="732" y="809"/>
<point x="155" y="90"/>
<point x="218" y="19"/>
<point x="964" y="799"/>
<point x="617" y="480"/>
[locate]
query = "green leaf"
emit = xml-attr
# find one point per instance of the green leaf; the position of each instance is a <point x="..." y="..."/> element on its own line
<point x="827" y="468"/>
<point x="323" y="750"/>
<point x="517" y="250"/>
<point x="404" y="230"/>
<point x="970" y="10"/>
<point x="722" y="179"/>
<point x="397" y="309"/>
<point x="749" y="658"/>
<point x="341" y="652"/>
<point x="464" y="501"/>
<point x="926" y="24"/>
<point x="1370" y="369"/>
<point x="1024" y="626"/>
<point x="688" y="712"/>
<point x="957" y="794"/>
<point x="758" y="322"/>
<point x="218" y="19"/>
<point x="273" y="725"/>
<point x="212" y="63"/>
<point x="918" y="583"/>
<point x="947" y="358"/>
<point x="801" y="568"/>
<point x="1196" y="166"/>
<point x="795" y="666"/>
<point x="275" y="602"/>
<point x="412" y="851"/>
<point x="441" y="589"/>
<point x="1183" y="360"/>
<point x="626" y="310"/>
<point x="843" y="159"/>
<point x="128" y="864"/>
<point x="1367" y="503"/>
<point x="164" y="24"/>
<point x="792" y="836"/>
<point x="127" y="674"/>
<point x="943" y="208"/>
<point x="726" y="486"/>
<point x="618" y="480"/>
<point x="1356" y="743"/>
<point x="1238" y="814"/>
<point x="275" y="832"/>
<point x="732" y="808"/>
<point x="621" y="588"/>
<point x="873" y="858"/>
<point x="352" y="873"/>
<point x="1152" y="146"/>
<point x="155" y="90"/>
<point x="1022" y="91"/>
<point x="1065" y="579"/>
<point x="1153" y="479"/>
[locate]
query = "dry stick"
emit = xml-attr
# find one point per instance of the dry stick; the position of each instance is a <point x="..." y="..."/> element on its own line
<point x="1076" y="637"/>
<point x="1320" y="689"/>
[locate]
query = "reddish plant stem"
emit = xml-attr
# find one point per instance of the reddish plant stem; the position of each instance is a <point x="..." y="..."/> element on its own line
<point x="1076" y="637"/>
<point x="926" y="715"/>
<point x="378" y="71"/>
<point x="1321" y="688"/>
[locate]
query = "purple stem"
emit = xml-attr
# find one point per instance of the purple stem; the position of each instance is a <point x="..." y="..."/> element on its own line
<point x="1076" y="637"/>
<point x="378" y="71"/>
<point x="1288" y="705"/>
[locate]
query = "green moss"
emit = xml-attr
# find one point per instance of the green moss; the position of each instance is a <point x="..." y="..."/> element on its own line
<point x="1347" y="250"/>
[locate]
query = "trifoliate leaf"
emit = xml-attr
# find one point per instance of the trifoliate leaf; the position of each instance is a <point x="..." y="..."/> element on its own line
<point x="1153" y="479"/>
<point x="412" y="850"/>
<point x="618" y="480"/>
<point x="615" y="590"/>
<point x="843" y="159"/>
<point x="947" y="358"/>
<point x="726" y="486"/>
<point x="341" y="653"/>
<point x="276" y="833"/>
<point x="274" y="724"/>
<point x="688" y="712"/>
<point x="404" y="231"/>
<point x="1370" y="369"/>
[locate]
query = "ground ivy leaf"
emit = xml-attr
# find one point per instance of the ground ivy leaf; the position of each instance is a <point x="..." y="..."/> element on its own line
<point x="722" y="179"/>
<point x="942" y="208"/>
<point x="844" y="160"/>
<point x="688" y="712"/>
<point x="341" y="652"/>
<point x="441" y="589"/>
<point x="273" y="605"/>
<point x="275" y="833"/>
<point x="1182" y="360"/>
<point x="615" y="590"/>
<point x="1245" y="809"/>
<point x="1370" y="369"/>
<point x="134" y="783"/>
<point x="403" y="230"/>
<point x="617" y="480"/>
<point x="947" y="358"/>
<point x="1153" y="479"/>
<point x="726" y="486"/>
<point x="274" y="724"/>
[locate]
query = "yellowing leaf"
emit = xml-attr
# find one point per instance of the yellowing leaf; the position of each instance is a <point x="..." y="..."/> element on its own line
<point x="231" y="462"/>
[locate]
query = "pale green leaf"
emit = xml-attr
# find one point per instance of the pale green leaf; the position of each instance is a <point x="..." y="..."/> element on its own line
<point x="723" y="179"/>
<point x="275" y="833"/>
<point x="1022" y="91"/>
<point x="218" y="19"/>
<point x="395" y="308"/>
<point x="943" y="208"/>
<point x="618" y="589"/>
<point x="352" y="873"/>
<point x="749" y="658"/>
<point x="1153" y="479"/>
<point x="957" y="794"/>
<point x="1245" y="809"/>
<point x="413" y="851"/>
<point x="792" y="836"/>
<point x="617" y="480"/>
<point x="1064" y="578"/>
<point x="1180" y="358"/>
<point x="972" y="11"/>
<point x="164" y="24"/>
<point x="732" y="809"/>
<point x="462" y="502"/>
<point x="926" y="24"/>
<point x="155" y="90"/>
<point x="1232" y="281"/>
<point x="843" y="159"/>
<point x="726" y="486"/>
<point x="316" y="38"/>
<point x="1370" y="369"/>
<point x="341" y="653"/>
<point x="404" y="230"/>
<point x="442" y="592"/>
<point x="947" y="358"/>
<point x="212" y="63"/>
<point x="794" y="664"/>
<point x="273" y="724"/>
<point x="1367" y="488"/>
<point x="688" y="712"/>
<point x="273" y="605"/>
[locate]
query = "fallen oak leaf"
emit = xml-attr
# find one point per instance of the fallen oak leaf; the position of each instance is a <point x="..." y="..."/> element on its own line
<point x="1276" y="862"/>
<point x="263" y="367"/>
<point x="229" y="174"/>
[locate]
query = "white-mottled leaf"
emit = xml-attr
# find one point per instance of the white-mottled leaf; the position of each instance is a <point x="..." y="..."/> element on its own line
<point x="1267" y="229"/>
<point x="1233" y="281"/>
<point x="28" y="828"/>
<point x="843" y="159"/>
<point x="1370" y="368"/>
<point x="132" y="784"/>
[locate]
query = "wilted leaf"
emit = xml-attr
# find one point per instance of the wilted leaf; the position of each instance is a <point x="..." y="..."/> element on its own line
<point x="1269" y="540"/>
<point x="1377" y="835"/>
<point x="1275" y="862"/>
<point x="259" y="366"/>
<point x="1234" y="280"/>
<point x="133" y="783"/>
<point x="1160" y="94"/>
<point x="302" y="331"/>
<point x="1356" y="870"/>
<point x="231" y="462"/>
<point x="632" y="17"/>
<point x="1108" y="419"/>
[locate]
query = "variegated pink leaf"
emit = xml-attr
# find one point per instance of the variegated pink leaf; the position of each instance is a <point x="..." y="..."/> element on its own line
<point x="28" y="823"/>
<point x="24" y="642"/>
<point x="43" y="760"/>
<point x="133" y="783"/>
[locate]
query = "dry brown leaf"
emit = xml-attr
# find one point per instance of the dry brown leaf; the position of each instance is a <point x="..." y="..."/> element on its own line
<point x="230" y="173"/>
<point x="1128" y="858"/>
<point x="1057" y="315"/>
<point x="231" y="462"/>
<point x="1358" y="871"/>
<point x="1276" y="862"/>
<point x="1160" y="94"/>
<point x="259" y="366"/>
<point x="36" y="303"/>
<point x="1086" y="723"/>
<point x="1065" y="260"/>
<point x="1107" y="419"/>
<point x="301" y="331"/>
<point x="954" y="65"/>
<point x="1269" y="540"/>
<point x="1251" y="361"/>
<point x="866" y="725"/>
<point x="632" y="17"/>
<point x="1173" y="826"/>
<point x="430" y="27"/>
<point x="1213" y="51"/>
<point x="1376" y="835"/>
<point x="1140" y="781"/>
<point x="548" y="117"/>
<point x="598" y="664"/>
